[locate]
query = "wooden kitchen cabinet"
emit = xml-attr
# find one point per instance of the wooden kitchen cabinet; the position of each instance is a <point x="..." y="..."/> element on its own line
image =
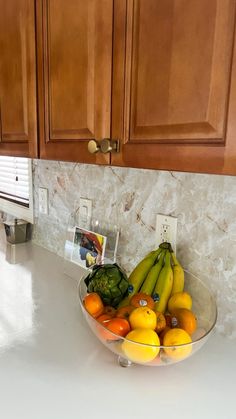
<point x="74" y="77"/>
<point x="18" y="120"/>
<point x="159" y="75"/>
<point x="177" y="95"/>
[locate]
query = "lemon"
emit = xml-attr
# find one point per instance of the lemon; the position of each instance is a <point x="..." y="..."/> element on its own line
<point x="180" y="300"/>
<point x="141" y="353"/>
<point x="143" y="317"/>
<point x="177" y="341"/>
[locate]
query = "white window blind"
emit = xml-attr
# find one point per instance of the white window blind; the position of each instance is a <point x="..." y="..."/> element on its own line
<point x="16" y="187"/>
<point x="14" y="180"/>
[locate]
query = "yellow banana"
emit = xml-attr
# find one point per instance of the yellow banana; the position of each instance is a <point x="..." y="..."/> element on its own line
<point x="164" y="285"/>
<point x="139" y="274"/>
<point x="151" y="279"/>
<point x="178" y="273"/>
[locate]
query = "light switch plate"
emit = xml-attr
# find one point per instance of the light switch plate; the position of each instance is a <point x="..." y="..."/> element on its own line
<point x="43" y="201"/>
<point x="85" y="212"/>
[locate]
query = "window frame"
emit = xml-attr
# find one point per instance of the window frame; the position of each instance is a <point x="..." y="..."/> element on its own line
<point x="17" y="210"/>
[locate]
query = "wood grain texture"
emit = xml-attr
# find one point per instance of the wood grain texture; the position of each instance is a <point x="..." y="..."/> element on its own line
<point x="181" y="56"/>
<point x="18" y="78"/>
<point x="118" y="72"/>
<point x="178" y="79"/>
<point x="74" y="73"/>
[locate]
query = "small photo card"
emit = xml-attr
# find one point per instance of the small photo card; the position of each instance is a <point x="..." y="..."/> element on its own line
<point x="88" y="248"/>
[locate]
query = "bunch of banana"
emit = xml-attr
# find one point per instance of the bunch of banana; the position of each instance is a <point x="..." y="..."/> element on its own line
<point x="139" y="274"/>
<point x="170" y="280"/>
<point x="159" y="275"/>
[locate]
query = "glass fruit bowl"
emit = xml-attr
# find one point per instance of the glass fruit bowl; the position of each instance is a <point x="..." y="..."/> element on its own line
<point x="129" y="352"/>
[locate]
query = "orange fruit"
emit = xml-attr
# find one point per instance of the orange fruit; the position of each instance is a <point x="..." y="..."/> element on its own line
<point x="180" y="300"/>
<point x="104" y="333"/>
<point x="142" y="300"/>
<point x="162" y="334"/>
<point x="93" y="304"/>
<point x="178" y="341"/>
<point x="110" y="310"/>
<point x="141" y="353"/>
<point x="103" y="318"/>
<point x="157" y="360"/>
<point x="143" y="317"/>
<point x="120" y="327"/>
<point x="168" y="320"/>
<point x="184" y="319"/>
<point x="161" y="322"/>
<point x="124" y="312"/>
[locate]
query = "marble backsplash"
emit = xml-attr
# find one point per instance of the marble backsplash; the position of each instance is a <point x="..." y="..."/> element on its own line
<point x="130" y="198"/>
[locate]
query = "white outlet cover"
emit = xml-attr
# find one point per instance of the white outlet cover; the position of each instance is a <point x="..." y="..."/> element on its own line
<point x="166" y="230"/>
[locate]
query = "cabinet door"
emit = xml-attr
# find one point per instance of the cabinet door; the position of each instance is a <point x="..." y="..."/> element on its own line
<point x="177" y="74"/>
<point x="18" y="129"/>
<point x="74" y="70"/>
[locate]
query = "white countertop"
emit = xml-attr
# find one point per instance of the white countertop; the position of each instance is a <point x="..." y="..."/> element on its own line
<point x="52" y="367"/>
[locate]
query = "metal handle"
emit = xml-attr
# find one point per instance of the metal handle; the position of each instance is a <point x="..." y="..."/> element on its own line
<point x="93" y="146"/>
<point x="109" y="146"/>
<point x="105" y="146"/>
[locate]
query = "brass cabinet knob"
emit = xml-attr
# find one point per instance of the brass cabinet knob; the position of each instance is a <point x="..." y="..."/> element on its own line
<point x="105" y="146"/>
<point x="108" y="145"/>
<point x="93" y="146"/>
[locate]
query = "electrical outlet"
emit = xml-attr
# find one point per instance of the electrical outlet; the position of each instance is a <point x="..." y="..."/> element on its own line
<point x="166" y="230"/>
<point x="85" y="212"/>
<point x="43" y="201"/>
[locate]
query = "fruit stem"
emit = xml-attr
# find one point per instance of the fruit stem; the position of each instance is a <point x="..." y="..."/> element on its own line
<point x="171" y="249"/>
<point x="165" y="245"/>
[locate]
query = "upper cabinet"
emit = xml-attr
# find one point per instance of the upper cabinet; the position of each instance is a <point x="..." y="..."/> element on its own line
<point x="177" y="80"/>
<point x="157" y="75"/>
<point x="18" y="121"/>
<point x="75" y="69"/>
